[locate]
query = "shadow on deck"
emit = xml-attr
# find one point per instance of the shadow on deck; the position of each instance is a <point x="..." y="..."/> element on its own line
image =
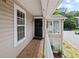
<point x="33" y="50"/>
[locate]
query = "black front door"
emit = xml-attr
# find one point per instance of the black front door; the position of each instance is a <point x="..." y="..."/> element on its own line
<point x="38" y="28"/>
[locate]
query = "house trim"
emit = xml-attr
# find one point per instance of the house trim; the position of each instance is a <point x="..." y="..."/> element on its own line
<point x="16" y="43"/>
<point x="38" y="17"/>
<point x="42" y="25"/>
<point x="53" y="27"/>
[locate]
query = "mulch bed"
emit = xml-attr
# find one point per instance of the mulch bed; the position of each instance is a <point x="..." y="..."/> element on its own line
<point x="57" y="55"/>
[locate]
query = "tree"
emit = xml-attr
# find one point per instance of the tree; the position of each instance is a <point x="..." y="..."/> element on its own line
<point x="77" y="13"/>
<point x="60" y="11"/>
<point x="57" y="12"/>
<point x="70" y="22"/>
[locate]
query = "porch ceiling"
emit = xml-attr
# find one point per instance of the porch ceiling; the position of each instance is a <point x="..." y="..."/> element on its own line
<point x="40" y="7"/>
<point x="52" y="5"/>
<point x="33" y="6"/>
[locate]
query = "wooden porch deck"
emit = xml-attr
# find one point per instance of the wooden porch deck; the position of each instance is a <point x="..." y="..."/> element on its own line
<point x="33" y="50"/>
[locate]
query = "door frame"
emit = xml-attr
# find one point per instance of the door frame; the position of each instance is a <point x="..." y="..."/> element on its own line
<point x="42" y="26"/>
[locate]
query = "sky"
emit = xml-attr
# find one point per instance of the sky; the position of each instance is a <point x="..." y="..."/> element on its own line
<point x="71" y="5"/>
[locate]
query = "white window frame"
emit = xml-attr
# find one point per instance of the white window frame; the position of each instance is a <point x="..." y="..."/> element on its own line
<point x="58" y="29"/>
<point x="53" y="26"/>
<point x="16" y="42"/>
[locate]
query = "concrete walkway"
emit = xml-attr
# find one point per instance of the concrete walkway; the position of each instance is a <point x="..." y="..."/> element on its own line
<point x="71" y="37"/>
<point x="33" y="50"/>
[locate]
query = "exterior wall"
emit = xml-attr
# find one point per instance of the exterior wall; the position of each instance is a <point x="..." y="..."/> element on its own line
<point x="7" y="48"/>
<point x="57" y="39"/>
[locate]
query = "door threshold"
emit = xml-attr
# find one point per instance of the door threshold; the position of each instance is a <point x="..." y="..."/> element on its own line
<point x="38" y="38"/>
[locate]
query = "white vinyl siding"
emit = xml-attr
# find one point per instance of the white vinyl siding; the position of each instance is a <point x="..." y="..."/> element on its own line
<point x="7" y="49"/>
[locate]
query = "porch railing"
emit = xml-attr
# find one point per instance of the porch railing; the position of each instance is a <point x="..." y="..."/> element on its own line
<point x="48" y="53"/>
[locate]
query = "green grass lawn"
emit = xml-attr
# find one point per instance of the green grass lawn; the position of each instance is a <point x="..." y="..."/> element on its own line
<point x="69" y="51"/>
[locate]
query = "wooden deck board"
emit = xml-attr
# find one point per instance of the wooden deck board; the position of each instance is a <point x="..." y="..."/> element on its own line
<point x="33" y="50"/>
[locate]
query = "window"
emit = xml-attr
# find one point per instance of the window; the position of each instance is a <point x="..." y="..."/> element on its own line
<point x="20" y="24"/>
<point x="49" y="26"/>
<point x="53" y="26"/>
